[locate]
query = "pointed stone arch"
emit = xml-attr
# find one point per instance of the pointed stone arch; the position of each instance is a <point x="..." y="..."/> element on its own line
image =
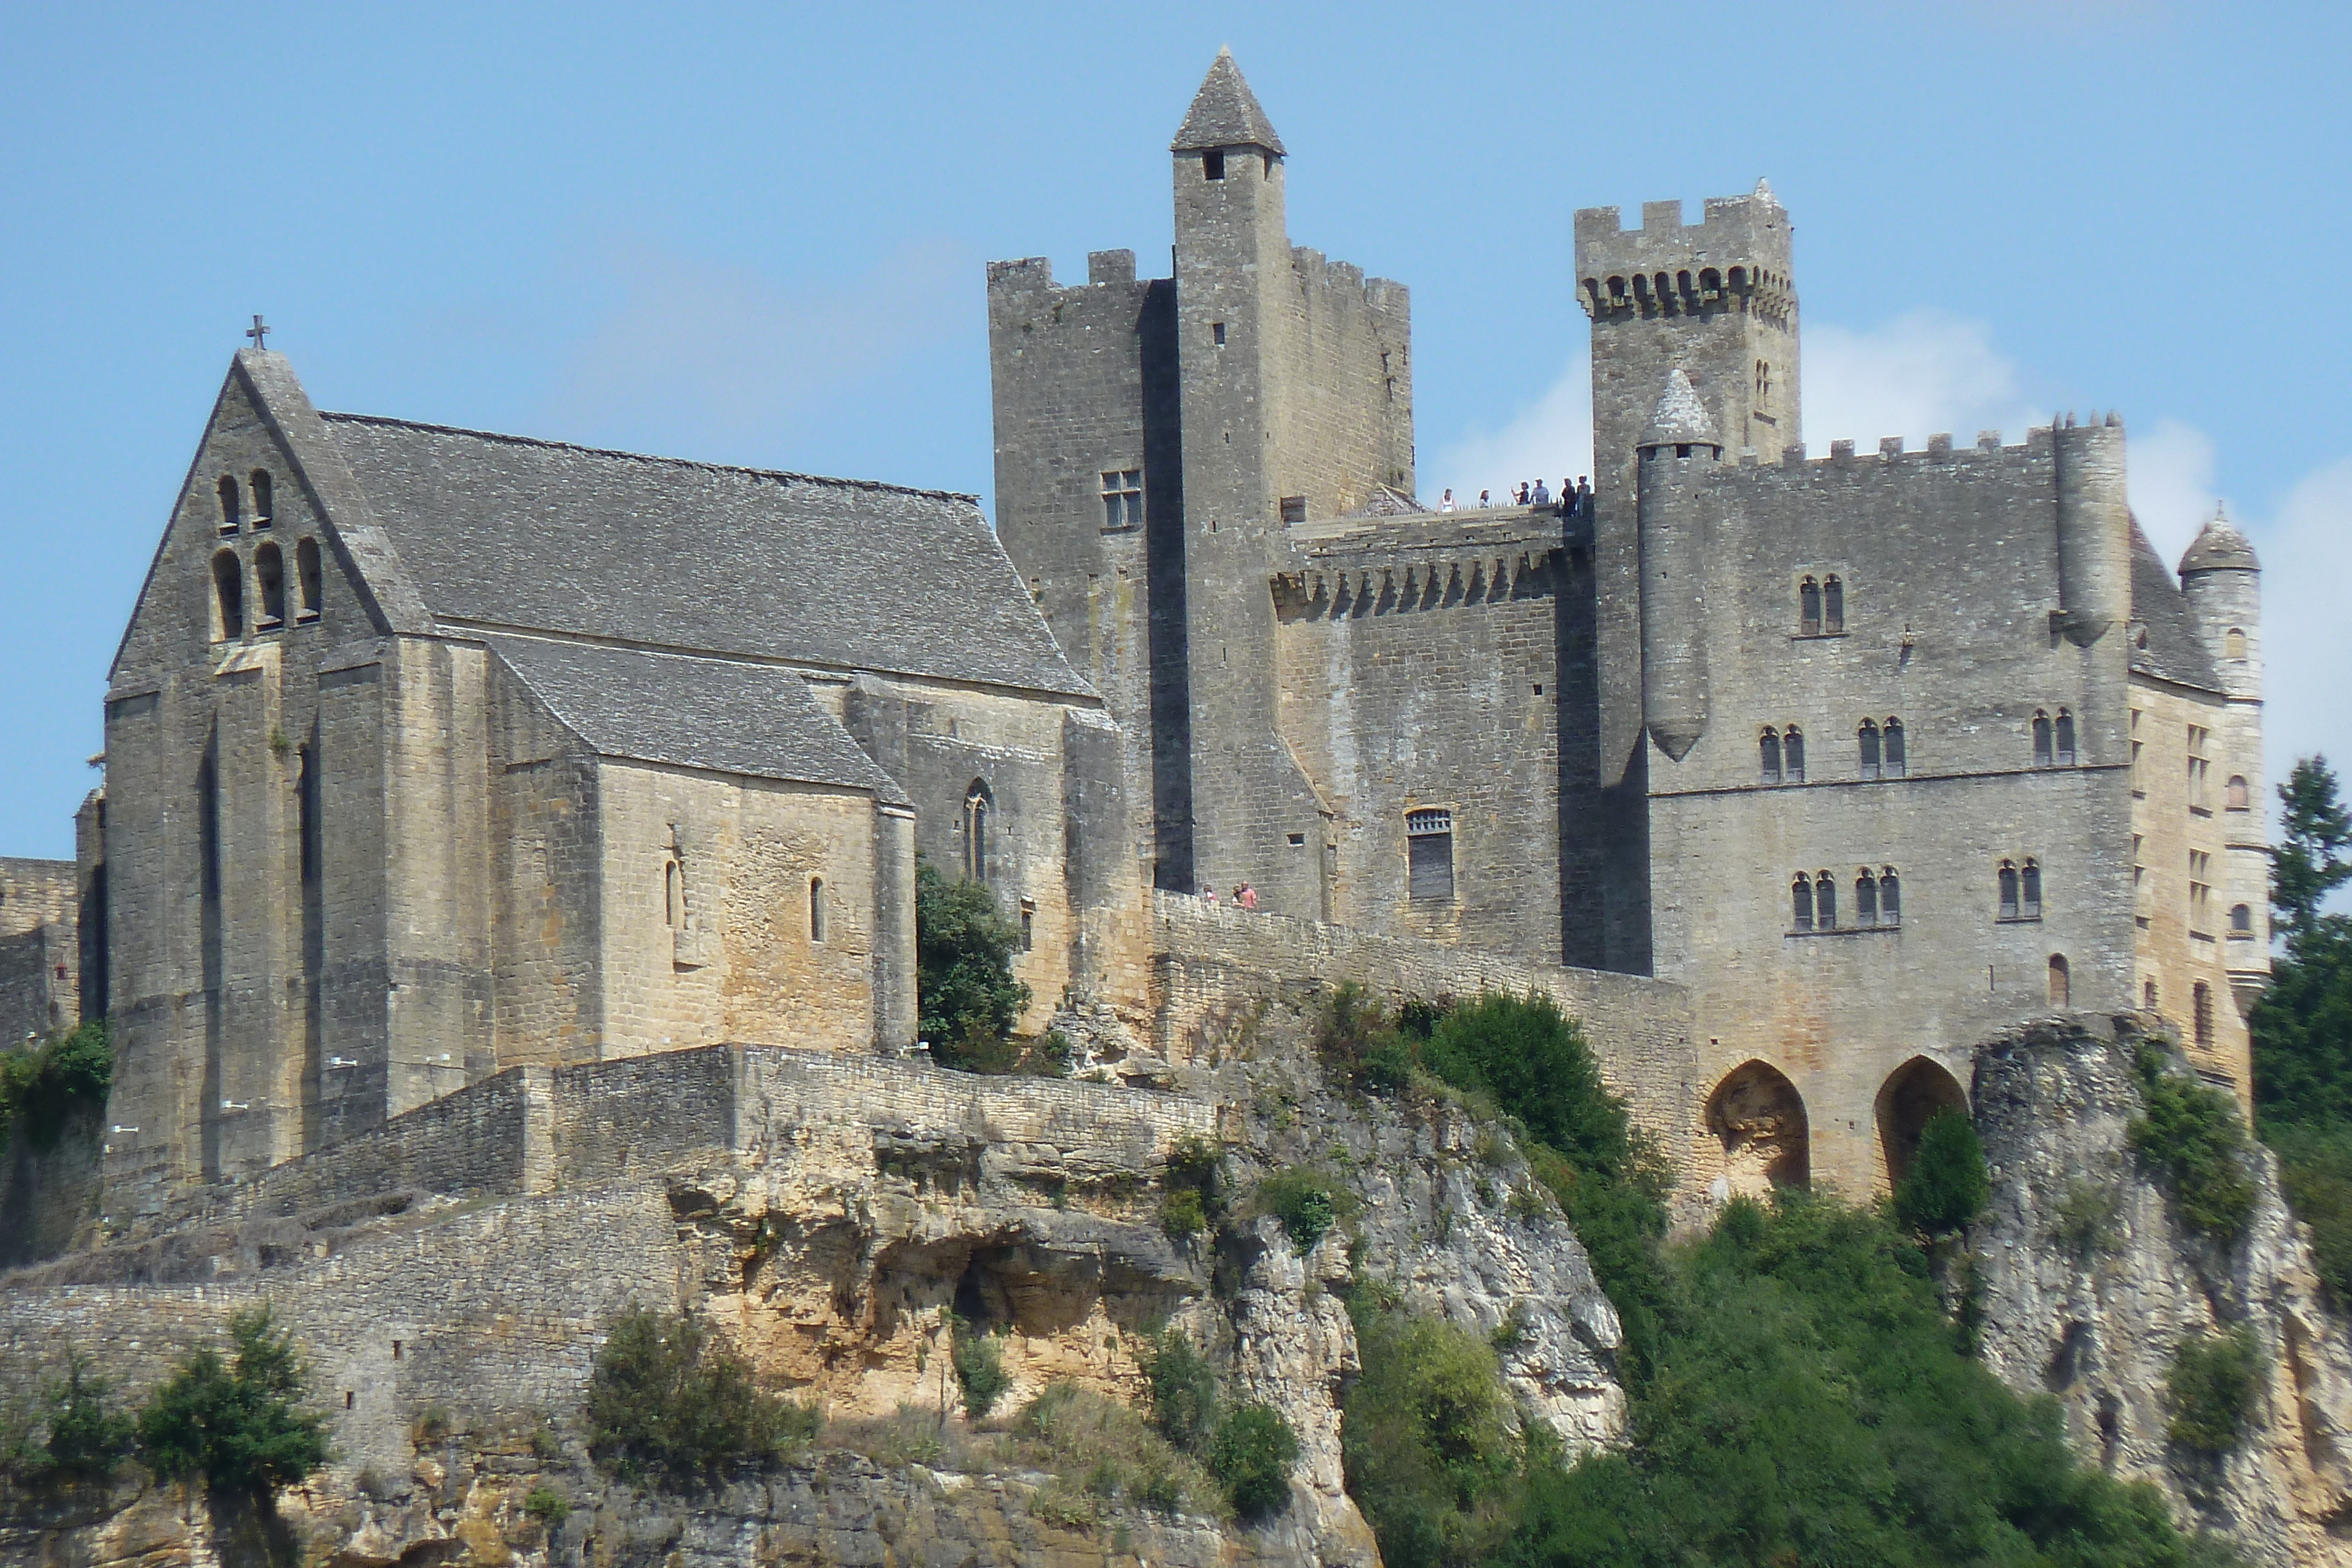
<point x="1912" y="1092"/>
<point x="1758" y="1119"/>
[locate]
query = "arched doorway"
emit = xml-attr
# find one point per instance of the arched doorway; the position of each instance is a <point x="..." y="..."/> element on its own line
<point x="1913" y="1092"/>
<point x="1759" y="1117"/>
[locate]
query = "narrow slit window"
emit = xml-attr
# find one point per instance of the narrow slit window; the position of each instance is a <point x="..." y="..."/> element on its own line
<point x="1897" y="763"/>
<point x="2201" y="1013"/>
<point x="265" y="509"/>
<point x="1028" y="925"/>
<point x="979" y="806"/>
<point x="269" y="576"/>
<point x="307" y="579"/>
<point x="1800" y="896"/>
<point x="1769" y="755"/>
<point x="1792" y="756"/>
<point x="1217" y="332"/>
<point x="2029" y="890"/>
<point x="1865" y="898"/>
<point x="1122" y="497"/>
<point x="1824" y="901"/>
<point x="1890" y="898"/>
<point x="228" y="594"/>
<point x="816" y="909"/>
<point x="1832" y="606"/>
<point x="2065" y="738"/>
<point x="1867" y="737"/>
<point x="1428" y="856"/>
<point x="2007" y="890"/>
<point x="673" y="893"/>
<point x="2041" y="751"/>
<point x="1808" y="609"/>
<point x="232" y="509"/>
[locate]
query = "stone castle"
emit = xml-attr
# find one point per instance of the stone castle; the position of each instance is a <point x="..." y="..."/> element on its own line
<point x="434" y="754"/>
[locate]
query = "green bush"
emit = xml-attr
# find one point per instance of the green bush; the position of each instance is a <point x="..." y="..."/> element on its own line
<point x="966" y="997"/>
<point x="1946" y="1184"/>
<point x="668" y="1400"/>
<point x="978" y="1362"/>
<point x="40" y="1088"/>
<point x="237" y="1425"/>
<point x="1183" y="1387"/>
<point x="1427" y="1436"/>
<point x="2213" y="1389"/>
<point x="2193" y="1138"/>
<point x="1371" y="1048"/>
<point x="1252" y="1455"/>
<point x="1102" y="1449"/>
<point x="2316" y="1170"/>
<point x="548" y="1505"/>
<point x="88" y="1436"/>
<point x="2088" y="1224"/>
<point x="1194" y="1183"/>
<point x="1307" y="1202"/>
<point x="1182" y="1215"/>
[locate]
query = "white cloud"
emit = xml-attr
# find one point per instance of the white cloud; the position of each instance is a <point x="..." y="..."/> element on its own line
<point x="1553" y="438"/>
<point x="2171" y="481"/>
<point x="2306" y="552"/>
<point x="1918" y="375"/>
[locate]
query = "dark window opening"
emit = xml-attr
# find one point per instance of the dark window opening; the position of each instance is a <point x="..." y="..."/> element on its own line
<point x="1028" y="925"/>
<point x="978" y="805"/>
<point x="229" y="594"/>
<point x="270" y="574"/>
<point x="2042" y="737"/>
<point x="1868" y="737"/>
<point x="1769" y="748"/>
<point x="2241" y="920"/>
<point x="1890" y="898"/>
<point x="306" y="581"/>
<point x="1865" y="898"/>
<point x="347" y="1398"/>
<point x="2029" y="890"/>
<point x="816" y="909"/>
<point x="1824" y="901"/>
<point x="1808" y="609"/>
<point x="265" y="511"/>
<point x="1800" y="895"/>
<point x="1428" y="856"/>
<point x="1217" y="330"/>
<point x="1298" y="840"/>
<point x="1792" y="756"/>
<point x="2065" y="738"/>
<point x="2201" y="1013"/>
<point x="1892" y="736"/>
<point x="2007" y="890"/>
<point x="2148" y="995"/>
<point x="232" y="510"/>
<point x="1122" y="498"/>
<point x="1833" y="605"/>
<point x="1293" y="509"/>
<point x="673" y="893"/>
<point x="1212" y="165"/>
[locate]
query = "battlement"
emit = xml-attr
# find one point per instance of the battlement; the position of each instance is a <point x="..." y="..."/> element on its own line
<point x="1035" y="273"/>
<point x="1380" y="293"/>
<point x="1736" y="258"/>
<point x="1895" y="452"/>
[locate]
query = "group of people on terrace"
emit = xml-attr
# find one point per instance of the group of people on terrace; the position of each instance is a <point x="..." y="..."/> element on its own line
<point x="1536" y="493"/>
<point x="1245" y="896"/>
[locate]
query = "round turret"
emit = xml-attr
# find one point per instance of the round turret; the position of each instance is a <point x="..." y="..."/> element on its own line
<point x="2219" y="547"/>
<point x="2222" y="583"/>
<point x="1679" y="448"/>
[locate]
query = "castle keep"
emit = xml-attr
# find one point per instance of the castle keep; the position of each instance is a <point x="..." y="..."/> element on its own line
<point x="434" y="754"/>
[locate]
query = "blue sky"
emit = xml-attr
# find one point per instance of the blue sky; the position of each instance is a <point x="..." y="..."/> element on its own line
<point x="757" y="234"/>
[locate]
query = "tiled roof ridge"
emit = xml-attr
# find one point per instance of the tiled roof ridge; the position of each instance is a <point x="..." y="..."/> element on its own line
<point x="883" y="485"/>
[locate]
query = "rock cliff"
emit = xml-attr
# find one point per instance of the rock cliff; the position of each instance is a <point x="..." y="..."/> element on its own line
<point x="2089" y="1282"/>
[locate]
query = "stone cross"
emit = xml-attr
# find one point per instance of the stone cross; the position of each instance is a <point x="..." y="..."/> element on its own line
<point x="258" y="332"/>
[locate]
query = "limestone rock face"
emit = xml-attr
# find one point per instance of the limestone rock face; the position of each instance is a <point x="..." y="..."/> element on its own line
<point x="2089" y="1282"/>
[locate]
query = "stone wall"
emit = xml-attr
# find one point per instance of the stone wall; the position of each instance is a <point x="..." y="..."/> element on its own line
<point x="41" y="949"/>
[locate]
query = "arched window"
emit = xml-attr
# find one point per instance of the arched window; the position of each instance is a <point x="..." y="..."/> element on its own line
<point x="1769" y="748"/>
<point x="232" y="510"/>
<point x="269" y="575"/>
<point x="2040" y="738"/>
<point x="978" y="807"/>
<point x="2061" y="982"/>
<point x="1808" y="609"/>
<point x="1890" y="897"/>
<point x="1865" y="898"/>
<point x="1868" y="737"/>
<point x="2065" y="738"/>
<point x="1833" y="605"/>
<point x="673" y="893"/>
<point x="816" y="909"/>
<point x="2007" y="890"/>
<point x="306" y="573"/>
<point x="2201" y="1012"/>
<point x="2235" y="795"/>
<point x="228" y="594"/>
<point x="1897" y="764"/>
<point x="2028" y="890"/>
<point x="2148" y="995"/>
<point x="1792" y="756"/>
<point x="265" y="511"/>
<point x="2241" y="920"/>
<point x="1824" y="901"/>
<point x="1800" y="896"/>
<point x="2234" y="643"/>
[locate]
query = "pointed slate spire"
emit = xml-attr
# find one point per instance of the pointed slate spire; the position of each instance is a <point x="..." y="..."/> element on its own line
<point x="1225" y="113"/>
<point x="1680" y="417"/>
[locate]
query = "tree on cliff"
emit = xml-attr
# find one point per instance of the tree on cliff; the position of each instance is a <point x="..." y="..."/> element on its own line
<point x="965" y="992"/>
<point x="235" y="1425"/>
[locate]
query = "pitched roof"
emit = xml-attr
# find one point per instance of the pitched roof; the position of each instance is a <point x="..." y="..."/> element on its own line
<point x="1225" y="113"/>
<point x="1680" y="417"/>
<point x="505" y="532"/>
<point x="756" y="720"/>
<point x="2173" y="651"/>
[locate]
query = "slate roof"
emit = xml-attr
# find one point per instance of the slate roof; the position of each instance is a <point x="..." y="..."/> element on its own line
<point x="506" y="532"/>
<point x="1680" y="416"/>
<point x="1225" y="113"/>
<point x="2175" y="652"/>
<point x="758" y="720"/>
<point x="2220" y="547"/>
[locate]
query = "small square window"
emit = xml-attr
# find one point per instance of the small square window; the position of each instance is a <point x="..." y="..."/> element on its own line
<point x="1212" y="165"/>
<point x="1122" y="497"/>
<point x="1217" y="330"/>
<point x="1293" y="509"/>
<point x="1298" y="840"/>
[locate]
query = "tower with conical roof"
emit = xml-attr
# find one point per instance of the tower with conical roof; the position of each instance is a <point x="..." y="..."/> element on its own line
<point x="1674" y="454"/>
